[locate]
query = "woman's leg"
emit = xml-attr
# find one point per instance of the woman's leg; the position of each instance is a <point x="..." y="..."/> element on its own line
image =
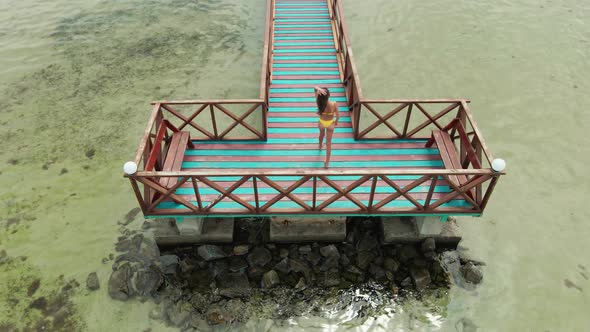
<point x="322" y="133"/>
<point x="329" y="134"/>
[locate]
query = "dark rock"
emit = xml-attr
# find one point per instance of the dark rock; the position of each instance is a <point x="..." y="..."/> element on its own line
<point x="210" y="252"/>
<point x="92" y="281"/>
<point x="428" y="245"/>
<point x="330" y="264"/>
<point x="390" y="264"/>
<point x="344" y="260"/>
<point x="241" y="250"/>
<point x="330" y="251"/>
<point x="33" y="287"/>
<point x="420" y="277"/>
<point x="146" y="225"/>
<point x="363" y="259"/>
<point x="377" y="272"/>
<point x="218" y="267"/>
<point x="389" y="275"/>
<point x="260" y="256"/>
<point x="237" y="264"/>
<point x="146" y="281"/>
<point x="179" y="313"/>
<point x="169" y="263"/>
<point x="270" y="279"/>
<point x="407" y="282"/>
<point x="299" y="266"/>
<point x="330" y="279"/>
<point x="367" y="242"/>
<point x="283" y="266"/>
<point x="471" y="273"/>
<point x="301" y="285"/>
<point x="353" y="274"/>
<point x="407" y="252"/>
<point x="233" y="285"/>
<point x="123" y="245"/>
<point x="305" y="249"/>
<point x="199" y="302"/>
<point x="255" y="273"/>
<point x="284" y="253"/>
<point x="118" y="283"/>
<point x="216" y="315"/>
<point x="313" y="258"/>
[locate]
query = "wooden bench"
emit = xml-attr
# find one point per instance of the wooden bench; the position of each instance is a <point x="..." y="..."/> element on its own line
<point x="178" y="144"/>
<point x="448" y="154"/>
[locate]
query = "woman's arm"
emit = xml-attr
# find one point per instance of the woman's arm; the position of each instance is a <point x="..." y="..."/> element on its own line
<point x="337" y="113"/>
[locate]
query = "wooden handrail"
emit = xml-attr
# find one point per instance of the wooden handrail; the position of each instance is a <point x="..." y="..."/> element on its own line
<point x="318" y="172"/>
<point x="285" y="194"/>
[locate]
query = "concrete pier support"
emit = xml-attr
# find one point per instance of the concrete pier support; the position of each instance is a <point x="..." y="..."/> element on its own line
<point x="185" y="231"/>
<point x="416" y="229"/>
<point x="292" y="229"/>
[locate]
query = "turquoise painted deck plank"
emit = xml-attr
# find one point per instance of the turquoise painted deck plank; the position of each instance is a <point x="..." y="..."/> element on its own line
<point x="288" y="20"/>
<point x="288" y="4"/>
<point x="305" y="65"/>
<point x="337" y="140"/>
<point x="278" y="9"/>
<point x="354" y="152"/>
<point x="315" y="152"/>
<point x="304" y="38"/>
<point x="304" y="57"/>
<point x="279" y="109"/>
<point x="286" y="32"/>
<point x="302" y="119"/>
<point x="311" y="164"/>
<point x="302" y="72"/>
<point x="279" y="14"/>
<point x="297" y="178"/>
<point x="303" y="26"/>
<point x="305" y="100"/>
<point x="288" y="204"/>
<point x="309" y="190"/>
<point x="306" y="50"/>
<point x="300" y="90"/>
<point x="322" y="43"/>
<point x="290" y="82"/>
<point x="305" y="130"/>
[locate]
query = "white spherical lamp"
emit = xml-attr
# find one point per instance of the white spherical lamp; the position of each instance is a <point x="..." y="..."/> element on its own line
<point x="130" y="168"/>
<point x="498" y="165"/>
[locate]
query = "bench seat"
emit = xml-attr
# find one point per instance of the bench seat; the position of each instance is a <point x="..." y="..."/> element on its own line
<point x="173" y="163"/>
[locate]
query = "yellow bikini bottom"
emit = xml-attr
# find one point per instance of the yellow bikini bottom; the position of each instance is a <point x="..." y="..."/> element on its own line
<point x="326" y="123"/>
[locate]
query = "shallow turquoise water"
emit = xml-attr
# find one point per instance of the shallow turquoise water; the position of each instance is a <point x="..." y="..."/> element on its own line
<point x="69" y="68"/>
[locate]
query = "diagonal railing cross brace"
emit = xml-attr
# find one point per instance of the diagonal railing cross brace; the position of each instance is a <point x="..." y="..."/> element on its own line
<point x="382" y="119"/>
<point x="226" y="193"/>
<point x="185" y="119"/>
<point x="168" y="193"/>
<point x="343" y="193"/>
<point x="474" y="181"/>
<point x="240" y="120"/>
<point x="401" y="192"/>
<point x="285" y="193"/>
<point x="148" y="182"/>
<point x="431" y="119"/>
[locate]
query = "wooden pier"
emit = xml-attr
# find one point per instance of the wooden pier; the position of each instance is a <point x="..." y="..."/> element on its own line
<point x="253" y="157"/>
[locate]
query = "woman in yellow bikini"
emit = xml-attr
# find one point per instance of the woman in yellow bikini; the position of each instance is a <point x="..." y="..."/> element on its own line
<point x="327" y="110"/>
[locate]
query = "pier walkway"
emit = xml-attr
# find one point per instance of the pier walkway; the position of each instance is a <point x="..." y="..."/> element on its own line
<point x="261" y="156"/>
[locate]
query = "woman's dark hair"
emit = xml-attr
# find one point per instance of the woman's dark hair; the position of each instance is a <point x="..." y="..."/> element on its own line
<point x="322" y="101"/>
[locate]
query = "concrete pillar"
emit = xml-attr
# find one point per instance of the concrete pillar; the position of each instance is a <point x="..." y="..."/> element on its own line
<point x="193" y="230"/>
<point x="416" y="229"/>
<point x="303" y="229"/>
